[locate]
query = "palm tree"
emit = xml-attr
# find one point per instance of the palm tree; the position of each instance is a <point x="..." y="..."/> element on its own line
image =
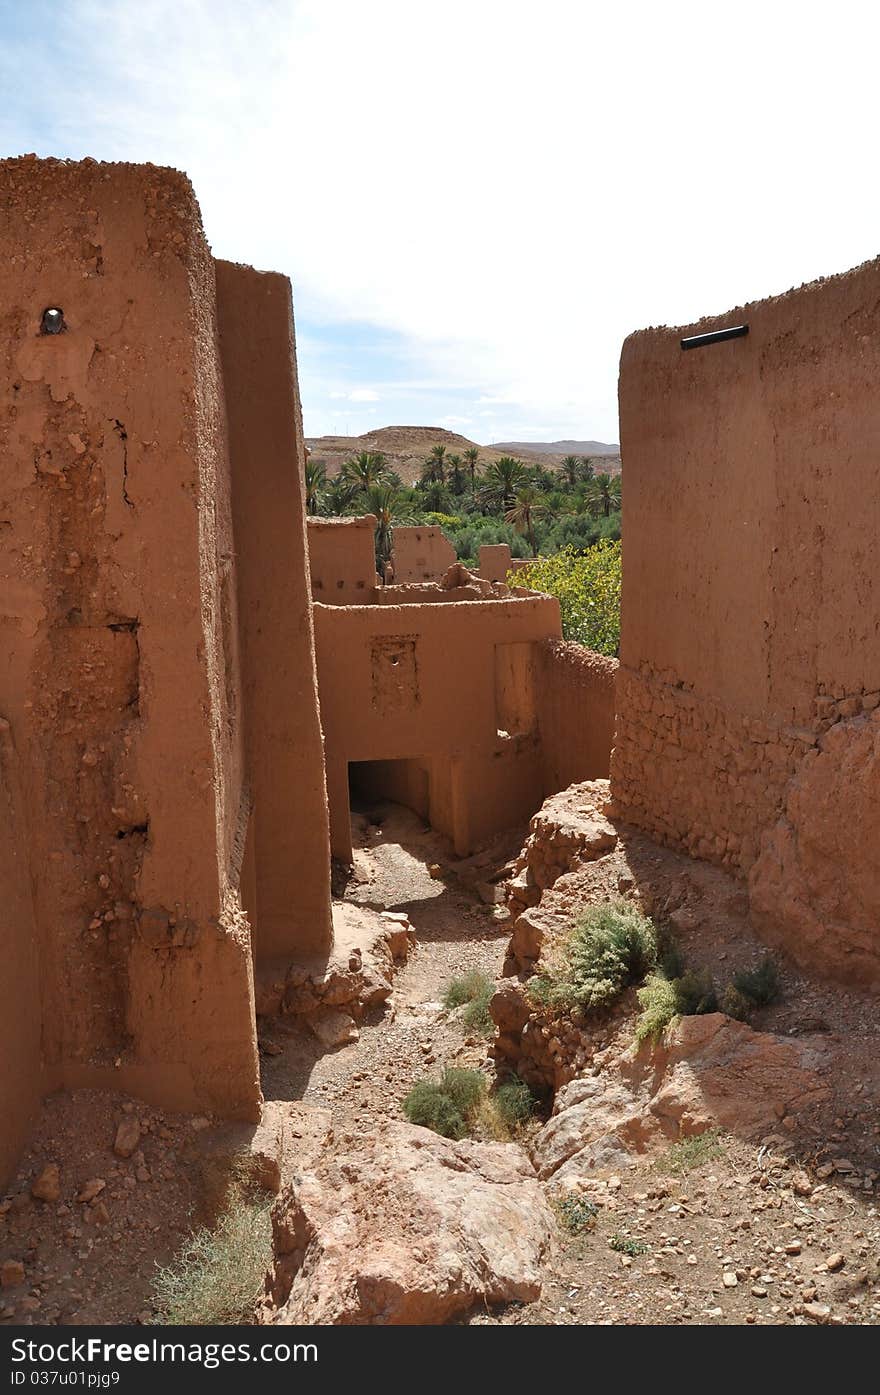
<point x="387" y="503"/>
<point x="602" y="495"/>
<point x="526" y="508"/>
<point x="434" y="495"/>
<point x="503" y="478"/>
<point x="316" y="483"/>
<point x="586" y="468"/>
<point x="338" y="495"/>
<point x="472" y="455"/>
<point x="366" y="470"/>
<point x="570" y="469"/>
<point x="433" y="470"/>
<point x="456" y="474"/>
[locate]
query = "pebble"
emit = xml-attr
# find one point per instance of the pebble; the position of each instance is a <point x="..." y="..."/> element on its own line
<point x="128" y="1136"/>
<point x="11" y="1273"/>
<point x="729" y="1279"/>
<point x="835" y="1262"/>
<point x="819" y="1312"/>
<point x="91" y="1189"/>
<point x="47" y="1187"/>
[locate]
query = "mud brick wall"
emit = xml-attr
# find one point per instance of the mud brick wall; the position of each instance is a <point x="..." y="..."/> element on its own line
<point x="750" y="653"/>
<point x="119" y="686"/>
<point x="576" y="695"/>
<point x="287" y="891"/>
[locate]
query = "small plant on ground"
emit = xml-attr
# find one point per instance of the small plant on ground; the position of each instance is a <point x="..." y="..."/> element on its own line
<point x="662" y="999"/>
<point x="447" y="1106"/>
<point x="689" y="1153"/>
<point x="575" y="1214"/>
<point x="760" y="985"/>
<point x="217" y="1276"/>
<point x="514" y="1103"/>
<point x="624" y="1245"/>
<point x="610" y="947"/>
<point x="472" y="991"/>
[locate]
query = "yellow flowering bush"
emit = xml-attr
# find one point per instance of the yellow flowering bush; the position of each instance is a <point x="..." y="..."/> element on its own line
<point x="587" y="586"/>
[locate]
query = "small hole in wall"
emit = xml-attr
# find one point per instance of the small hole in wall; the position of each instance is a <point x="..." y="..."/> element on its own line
<point x="52" y="321"/>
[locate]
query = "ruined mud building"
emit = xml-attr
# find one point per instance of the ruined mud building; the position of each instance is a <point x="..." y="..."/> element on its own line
<point x="187" y="671"/>
<point x="164" y="817"/>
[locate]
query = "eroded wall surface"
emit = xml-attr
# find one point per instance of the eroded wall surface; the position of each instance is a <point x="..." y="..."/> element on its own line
<point x="576" y="704"/>
<point x="123" y="756"/>
<point x="342" y="560"/>
<point x="750" y="654"/>
<point x="420" y="554"/>
<point x="289" y="905"/>
<point x="496" y="563"/>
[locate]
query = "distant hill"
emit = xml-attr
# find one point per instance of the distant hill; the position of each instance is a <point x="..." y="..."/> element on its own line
<point x="561" y="448"/>
<point x="406" y="448"/>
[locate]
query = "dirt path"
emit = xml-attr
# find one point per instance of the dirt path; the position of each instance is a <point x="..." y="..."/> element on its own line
<point x="455" y="933"/>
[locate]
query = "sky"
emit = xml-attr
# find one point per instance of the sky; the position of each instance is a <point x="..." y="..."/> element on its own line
<point x="477" y="200"/>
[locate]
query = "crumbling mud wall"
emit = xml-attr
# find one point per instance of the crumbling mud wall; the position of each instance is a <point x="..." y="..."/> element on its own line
<point x="342" y="560"/>
<point x="496" y="563"/>
<point x="420" y="554"/>
<point x="119" y="688"/>
<point x="288" y="901"/>
<point x="576" y="696"/>
<point x="446" y="688"/>
<point x="750" y="654"/>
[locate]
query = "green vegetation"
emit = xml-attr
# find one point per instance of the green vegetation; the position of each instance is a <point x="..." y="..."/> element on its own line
<point x="514" y="1103"/>
<point x="761" y="985"/>
<point x="448" y="1106"/>
<point x="689" y="1153"/>
<point x="574" y="1213"/>
<point x="588" y="588"/>
<point x="663" y="998"/>
<point x="217" y="1275"/>
<point x="610" y="947"/>
<point x="473" y="992"/>
<point x="459" y="1103"/>
<point x="569" y="518"/>
<point x="624" y="1245"/>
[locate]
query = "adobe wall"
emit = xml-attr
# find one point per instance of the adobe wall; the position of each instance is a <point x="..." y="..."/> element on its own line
<point x="750" y="658"/>
<point x="289" y="904"/>
<point x="495" y="562"/>
<point x="342" y="559"/>
<point x="120" y="873"/>
<point x="431" y="684"/>
<point x="420" y="554"/>
<point x="576" y="704"/>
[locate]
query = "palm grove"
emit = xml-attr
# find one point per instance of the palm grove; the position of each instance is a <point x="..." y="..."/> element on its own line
<point x="567" y="518"/>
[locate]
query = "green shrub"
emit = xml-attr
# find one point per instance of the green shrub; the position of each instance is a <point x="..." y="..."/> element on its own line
<point x="659" y="1003"/>
<point x="217" y="1276"/>
<point x="464" y="1087"/>
<point x="689" y="1153"/>
<point x="624" y="1245"/>
<point x="587" y="586"/>
<point x="575" y="1214"/>
<point x="734" y="1004"/>
<point x="610" y="947"/>
<point x="474" y="990"/>
<point x="426" y="1104"/>
<point x="760" y="985"/>
<point x="447" y="1106"/>
<point x="695" y="993"/>
<point x="663" y="998"/>
<point x="514" y="1103"/>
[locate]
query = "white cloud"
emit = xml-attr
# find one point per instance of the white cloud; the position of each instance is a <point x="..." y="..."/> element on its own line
<point x="363" y="395"/>
<point x="511" y="187"/>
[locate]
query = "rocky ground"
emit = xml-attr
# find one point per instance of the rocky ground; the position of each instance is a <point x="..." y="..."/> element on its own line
<point x="771" y="1222"/>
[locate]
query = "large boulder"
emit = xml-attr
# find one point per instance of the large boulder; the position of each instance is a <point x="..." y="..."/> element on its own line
<point x="408" y="1228"/>
<point x="705" y="1072"/>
